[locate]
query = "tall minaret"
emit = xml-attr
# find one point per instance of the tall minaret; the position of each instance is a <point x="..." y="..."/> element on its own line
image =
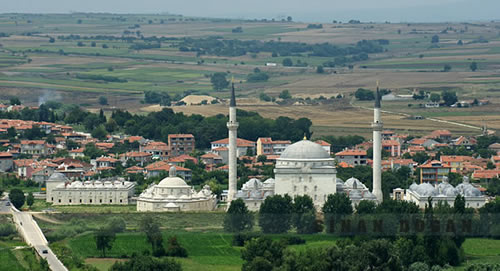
<point x="377" y="126"/>
<point x="232" y="126"/>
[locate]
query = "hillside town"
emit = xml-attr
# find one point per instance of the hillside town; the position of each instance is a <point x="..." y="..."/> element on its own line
<point x="126" y="168"/>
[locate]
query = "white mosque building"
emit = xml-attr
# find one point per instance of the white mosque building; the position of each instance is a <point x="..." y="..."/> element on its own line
<point x="173" y="194"/>
<point x="445" y="192"/>
<point x="61" y="191"/>
<point x="304" y="168"/>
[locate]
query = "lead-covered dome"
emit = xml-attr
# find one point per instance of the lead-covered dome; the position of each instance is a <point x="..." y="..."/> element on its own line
<point x="305" y="149"/>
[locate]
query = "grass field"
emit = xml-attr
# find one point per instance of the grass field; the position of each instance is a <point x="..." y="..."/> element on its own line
<point x="14" y="254"/>
<point x="31" y="66"/>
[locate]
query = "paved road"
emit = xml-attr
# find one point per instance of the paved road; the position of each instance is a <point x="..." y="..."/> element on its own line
<point x="4" y="209"/>
<point x="34" y="237"/>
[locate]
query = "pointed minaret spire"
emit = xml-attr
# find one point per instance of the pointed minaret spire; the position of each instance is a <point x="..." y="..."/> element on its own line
<point x="232" y="126"/>
<point x="233" y="96"/>
<point x="377" y="126"/>
<point x="377" y="97"/>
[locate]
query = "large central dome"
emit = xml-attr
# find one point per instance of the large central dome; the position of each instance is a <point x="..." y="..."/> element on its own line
<point x="305" y="149"/>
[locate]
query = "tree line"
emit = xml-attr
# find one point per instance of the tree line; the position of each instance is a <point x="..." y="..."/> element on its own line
<point x="216" y="45"/>
<point x="396" y="251"/>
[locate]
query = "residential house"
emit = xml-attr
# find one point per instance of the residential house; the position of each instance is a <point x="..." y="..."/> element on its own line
<point x="141" y="158"/>
<point x="181" y="144"/>
<point x="158" y="150"/>
<point x="35" y="147"/>
<point x="106" y="162"/>
<point x="325" y="145"/>
<point x="211" y="159"/>
<point x="464" y="141"/>
<point x="456" y="162"/>
<point x="24" y="167"/>
<point x="352" y="157"/>
<point x="181" y="159"/>
<point x="393" y="147"/>
<point x="442" y="135"/>
<point x="433" y="171"/>
<point x="395" y="164"/>
<point x="6" y="161"/>
<point x="242" y="145"/>
<point x="486" y="174"/>
<point x="267" y="146"/>
<point x="157" y="168"/>
<point x="77" y="153"/>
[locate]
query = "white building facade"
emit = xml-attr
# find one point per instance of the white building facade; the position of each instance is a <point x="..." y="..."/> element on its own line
<point x="61" y="191"/>
<point x="173" y="194"/>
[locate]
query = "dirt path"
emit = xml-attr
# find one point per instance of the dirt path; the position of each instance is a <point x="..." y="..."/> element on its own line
<point x="47" y="219"/>
<point x="431" y="119"/>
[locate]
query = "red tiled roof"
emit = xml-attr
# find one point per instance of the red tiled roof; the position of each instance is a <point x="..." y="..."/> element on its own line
<point x="136" y="154"/>
<point x="455" y="158"/>
<point x="5" y="155"/>
<point x="106" y="159"/>
<point x="180" y="135"/>
<point x="239" y="142"/>
<point x="323" y="143"/>
<point x="32" y="142"/>
<point x="350" y="152"/>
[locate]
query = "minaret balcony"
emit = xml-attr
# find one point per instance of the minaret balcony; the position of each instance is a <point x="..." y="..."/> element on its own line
<point x="377" y="126"/>
<point x="232" y="124"/>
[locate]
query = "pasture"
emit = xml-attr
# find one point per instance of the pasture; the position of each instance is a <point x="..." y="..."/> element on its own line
<point x="209" y="248"/>
<point x="58" y="56"/>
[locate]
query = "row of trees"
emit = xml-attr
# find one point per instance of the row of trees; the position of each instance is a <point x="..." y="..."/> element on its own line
<point x="158" y="125"/>
<point x="216" y="45"/>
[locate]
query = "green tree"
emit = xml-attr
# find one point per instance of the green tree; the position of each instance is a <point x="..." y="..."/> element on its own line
<point x="320" y="69"/>
<point x="285" y="94"/>
<point x="449" y="97"/>
<point x="117" y="224"/>
<point x="30" y="199"/>
<point x="16" y="197"/>
<point x="15" y="101"/>
<point x="103" y="100"/>
<point x="473" y="66"/>
<point x="304" y="214"/>
<point x="151" y="228"/>
<point x="262" y="254"/>
<point x="435" y="39"/>
<point x="142" y="263"/>
<point x="420" y="157"/>
<point x="287" y="62"/>
<point x="364" y="94"/>
<point x="104" y="239"/>
<point x="435" y="97"/>
<point x="490" y="165"/>
<point x="238" y="218"/>
<point x="99" y="132"/>
<point x="336" y="206"/>
<point x="175" y="249"/>
<point x="219" y="81"/>
<point x="261" y="158"/>
<point x="366" y="207"/>
<point x="447" y="68"/>
<point x="275" y="214"/>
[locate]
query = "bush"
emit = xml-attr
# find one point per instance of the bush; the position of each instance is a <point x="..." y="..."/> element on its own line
<point x="240" y="238"/>
<point x="175" y="249"/>
<point x="117" y="224"/>
<point x="293" y="240"/>
<point x="7" y="230"/>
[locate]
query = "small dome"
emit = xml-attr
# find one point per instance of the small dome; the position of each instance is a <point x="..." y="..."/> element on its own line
<point x="57" y="177"/>
<point x="369" y="196"/>
<point x="354" y="183"/>
<point x="252" y="184"/>
<point x="172" y="182"/>
<point x="426" y="190"/>
<point x="171" y="205"/>
<point x="413" y="186"/>
<point x="304" y="149"/>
